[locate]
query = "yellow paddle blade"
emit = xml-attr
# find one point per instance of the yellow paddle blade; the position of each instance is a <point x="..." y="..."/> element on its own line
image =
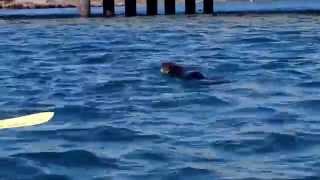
<point x="29" y="120"/>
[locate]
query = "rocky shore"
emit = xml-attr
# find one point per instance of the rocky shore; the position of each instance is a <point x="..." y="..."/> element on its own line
<point x="38" y="4"/>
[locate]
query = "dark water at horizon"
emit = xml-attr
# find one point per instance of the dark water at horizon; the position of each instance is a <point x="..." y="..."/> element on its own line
<point x="117" y="117"/>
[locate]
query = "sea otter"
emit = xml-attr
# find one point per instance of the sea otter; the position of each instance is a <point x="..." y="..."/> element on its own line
<point x="177" y="71"/>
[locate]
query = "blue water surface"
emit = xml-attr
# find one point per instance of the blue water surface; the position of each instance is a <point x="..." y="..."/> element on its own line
<point x="117" y="117"/>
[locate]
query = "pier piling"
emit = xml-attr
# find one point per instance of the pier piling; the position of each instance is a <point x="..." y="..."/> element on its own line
<point x="84" y="7"/>
<point x="108" y="8"/>
<point x="169" y="7"/>
<point x="130" y="8"/>
<point x="152" y="7"/>
<point x="208" y="6"/>
<point x="190" y="6"/>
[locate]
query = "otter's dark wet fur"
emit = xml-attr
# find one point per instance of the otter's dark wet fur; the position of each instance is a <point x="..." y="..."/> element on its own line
<point x="178" y="71"/>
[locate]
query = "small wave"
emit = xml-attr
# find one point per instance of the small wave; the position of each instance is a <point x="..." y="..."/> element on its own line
<point x="280" y="141"/>
<point x="205" y="100"/>
<point x="282" y="118"/>
<point x="258" y="40"/>
<point x="105" y="134"/>
<point x="79" y="112"/>
<point x="255" y="111"/>
<point x="307" y="178"/>
<point x="51" y="177"/>
<point x="274" y="65"/>
<point x="22" y="51"/>
<point x="239" y="146"/>
<point x="289" y="32"/>
<point x="271" y="142"/>
<point x="29" y="75"/>
<point x="72" y="158"/>
<point x="78" y="47"/>
<point x="308" y="105"/>
<point x="297" y="73"/>
<point x="229" y="67"/>
<point x="97" y="58"/>
<point x="310" y="137"/>
<point x="315" y="84"/>
<point x="15" y="167"/>
<point x="153" y="155"/>
<point x="191" y="173"/>
<point x="115" y="85"/>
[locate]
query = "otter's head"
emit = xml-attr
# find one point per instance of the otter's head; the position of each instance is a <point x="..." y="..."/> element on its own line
<point x="172" y="69"/>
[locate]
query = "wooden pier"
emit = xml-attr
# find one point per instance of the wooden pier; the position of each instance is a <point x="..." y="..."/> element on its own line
<point x="151" y="7"/>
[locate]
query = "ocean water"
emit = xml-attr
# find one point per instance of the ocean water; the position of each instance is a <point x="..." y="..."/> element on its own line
<point x="117" y="117"/>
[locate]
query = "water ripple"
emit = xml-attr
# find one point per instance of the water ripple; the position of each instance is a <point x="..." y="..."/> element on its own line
<point x="69" y="159"/>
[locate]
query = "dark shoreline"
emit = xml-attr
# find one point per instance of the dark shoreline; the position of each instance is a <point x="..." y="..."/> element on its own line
<point x="65" y="4"/>
<point x="38" y="6"/>
<point x="32" y="5"/>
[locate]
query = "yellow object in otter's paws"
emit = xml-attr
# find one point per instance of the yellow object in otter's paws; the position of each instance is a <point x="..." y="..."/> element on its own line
<point x="28" y="120"/>
<point x="164" y="71"/>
